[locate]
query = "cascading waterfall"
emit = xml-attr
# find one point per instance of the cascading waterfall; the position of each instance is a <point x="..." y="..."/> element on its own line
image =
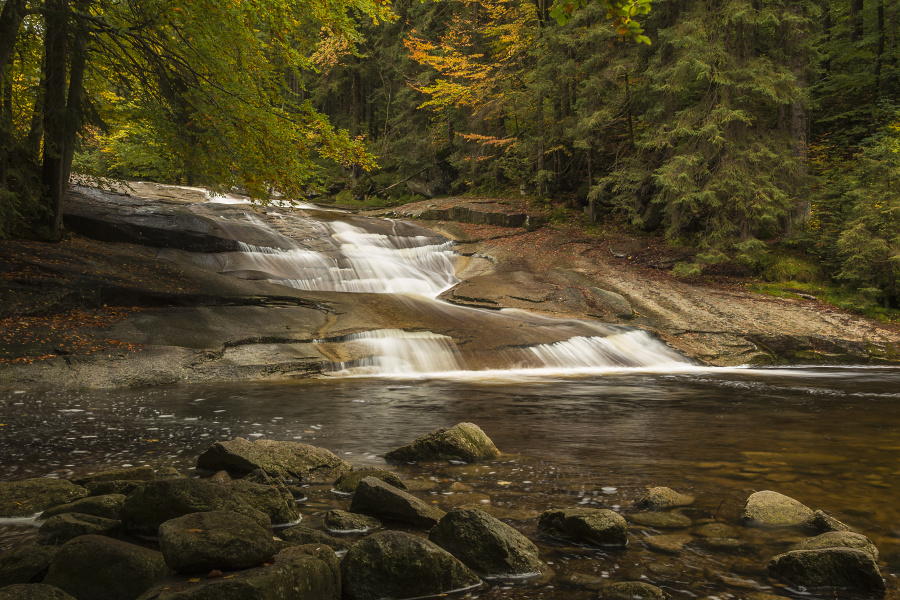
<point x="386" y="257"/>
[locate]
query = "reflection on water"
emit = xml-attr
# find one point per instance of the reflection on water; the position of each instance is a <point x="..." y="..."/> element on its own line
<point x="828" y="437"/>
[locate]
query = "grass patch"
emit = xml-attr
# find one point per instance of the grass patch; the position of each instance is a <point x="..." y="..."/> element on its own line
<point x="837" y="295"/>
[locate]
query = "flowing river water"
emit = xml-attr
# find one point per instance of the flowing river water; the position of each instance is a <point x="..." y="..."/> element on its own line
<point x="591" y="419"/>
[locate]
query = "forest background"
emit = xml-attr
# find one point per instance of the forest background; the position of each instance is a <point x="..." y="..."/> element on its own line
<point x="763" y="134"/>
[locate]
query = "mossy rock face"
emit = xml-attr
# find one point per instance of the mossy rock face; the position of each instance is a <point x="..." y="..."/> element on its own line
<point x="33" y="591"/>
<point x="346" y="483"/>
<point x="107" y="506"/>
<point x="828" y="568"/>
<point x="392" y="564"/>
<point x="488" y="546"/>
<point x="343" y="521"/>
<point x="599" y="527"/>
<point x="630" y="590"/>
<point x="659" y="498"/>
<point x="142" y="473"/>
<point x="773" y="510"/>
<point x="464" y="442"/>
<point x="840" y="539"/>
<point x="30" y="496"/>
<point x="302" y="536"/>
<point x="68" y="526"/>
<point x="378" y="499"/>
<point x="158" y="501"/>
<point x="223" y="540"/>
<point x="24" y="564"/>
<point x="289" y="460"/>
<point x="294" y="577"/>
<point x="274" y="500"/>
<point x="93" y="567"/>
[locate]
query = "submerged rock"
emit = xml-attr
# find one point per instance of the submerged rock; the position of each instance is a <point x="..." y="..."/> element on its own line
<point x="291" y="460"/>
<point x="828" y="568"/>
<point x="107" y="506"/>
<point x="302" y="536"/>
<point x="660" y="520"/>
<point x="632" y="590"/>
<point x="379" y="499"/>
<point x="68" y="526"/>
<point x="662" y="497"/>
<point x="464" y="442"/>
<point x="33" y="591"/>
<point x="30" y="496"/>
<point x="488" y="546"/>
<point x="142" y="473"/>
<point x="599" y="527"/>
<point x="343" y="521"/>
<point x="346" y="483"/>
<point x="392" y="564"/>
<point x="24" y="564"/>
<point x="771" y="509"/>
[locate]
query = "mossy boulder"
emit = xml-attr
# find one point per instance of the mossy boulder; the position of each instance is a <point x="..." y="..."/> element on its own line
<point x="61" y="528"/>
<point x="393" y="564"/>
<point x="93" y="567"/>
<point x="302" y="536"/>
<point x="632" y="590"/>
<point x="118" y="486"/>
<point x="488" y="546"/>
<point x="464" y="442"/>
<point x="346" y="483"/>
<point x="223" y="540"/>
<point x="840" y="539"/>
<point x="141" y="473"/>
<point x="274" y="500"/>
<point x="773" y="510"/>
<point x="659" y="498"/>
<point x="24" y="564"/>
<point x="822" y="522"/>
<point x="378" y="499"/>
<point x="324" y="553"/>
<point x="33" y="591"/>
<point x="289" y="460"/>
<point x="107" y="506"/>
<point x="828" y="568"/>
<point x="158" y="501"/>
<point x="30" y="496"/>
<point x="341" y="521"/>
<point x="598" y="527"/>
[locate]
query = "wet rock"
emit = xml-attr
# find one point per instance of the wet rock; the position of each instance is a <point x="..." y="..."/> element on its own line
<point x="224" y="540"/>
<point x="600" y="527"/>
<point x="273" y="500"/>
<point x="107" y="506"/>
<point x="632" y="590"/>
<point x="33" y="591"/>
<point x="822" y="522"/>
<point x="291" y="460"/>
<point x="488" y="546"/>
<point x="392" y="564"/>
<point x="668" y="544"/>
<point x="828" y="568"/>
<point x="168" y="473"/>
<point x="343" y="521"/>
<point x="611" y="303"/>
<point x="288" y="577"/>
<point x="660" y="520"/>
<point x="61" y="528"/>
<point x="119" y="486"/>
<point x="142" y="473"/>
<point x="724" y="544"/>
<point x="24" y="564"/>
<point x="662" y="497"/>
<point x="30" y="496"/>
<point x="323" y="553"/>
<point x="346" y="483"/>
<point x="219" y="477"/>
<point x="302" y="536"/>
<point x="156" y="502"/>
<point x="771" y="509"/>
<point x="840" y="539"/>
<point x="719" y="530"/>
<point x="93" y="567"/>
<point x="464" y="442"/>
<point x="378" y="499"/>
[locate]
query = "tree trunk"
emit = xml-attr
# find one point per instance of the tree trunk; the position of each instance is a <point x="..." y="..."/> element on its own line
<point x="55" y="58"/>
<point x="856" y="20"/>
<point x="879" y="53"/>
<point x="73" y="104"/>
<point x="10" y="20"/>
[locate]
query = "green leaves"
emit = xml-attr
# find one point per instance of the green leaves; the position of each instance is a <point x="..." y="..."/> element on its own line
<point x="623" y="14"/>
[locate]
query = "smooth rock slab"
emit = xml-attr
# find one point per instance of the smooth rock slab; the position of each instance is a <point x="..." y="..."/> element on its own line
<point x="346" y="483"/>
<point x="33" y="591"/>
<point x="378" y="499"/>
<point x="488" y="546"/>
<point x="223" y="540"/>
<point x="392" y="564"/>
<point x="291" y="460"/>
<point x="30" y="496"/>
<point x="659" y="498"/>
<point x="599" y="527"/>
<point x="92" y="567"/>
<point x="107" y="506"/>
<point x="826" y="568"/>
<point x="464" y="442"/>
<point x="341" y="521"/>
<point x="771" y="509"/>
<point x="67" y="526"/>
<point x="24" y="564"/>
<point x="302" y="536"/>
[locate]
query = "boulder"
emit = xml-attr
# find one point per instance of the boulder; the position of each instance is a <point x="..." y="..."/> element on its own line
<point x="599" y="527"/>
<point x="659" y="498"/>
<point x="156" y="502"/>
<point x="274" y="500"/>
<point x="660" y="520"/>
<point x="93" y="567"/>
<point x="142" y="473"/>
<point x="324" y="553"/>
<point x="67" y="526"/>
<point x="223" y="540"/>
<point x="302" y="536"/>
<point x="119" y="486"/>
<point x="840" y="539"/>
<point x="632" y="590"/>
<point x="341" y="521"/>
<point x="290" y="460"/>
<point x="30" y="496"/>
<point x="346" y="483"/>
<point x="611" y="303"/>
<point x="822" y="522"/>
<point x="488" y="546"/>
<point x="378" y="499"/>
<point x="106" y="506"/>
<point x="168" y="473"/>
<point x="33" y="591"/>
<point x="464" y="442"/>
<point x="828" y="568"/>
<point x="24" y="564"/>
<point x="393" y="564"/>
<point x="771" y="509"/>
<point x="287" y="577"/>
